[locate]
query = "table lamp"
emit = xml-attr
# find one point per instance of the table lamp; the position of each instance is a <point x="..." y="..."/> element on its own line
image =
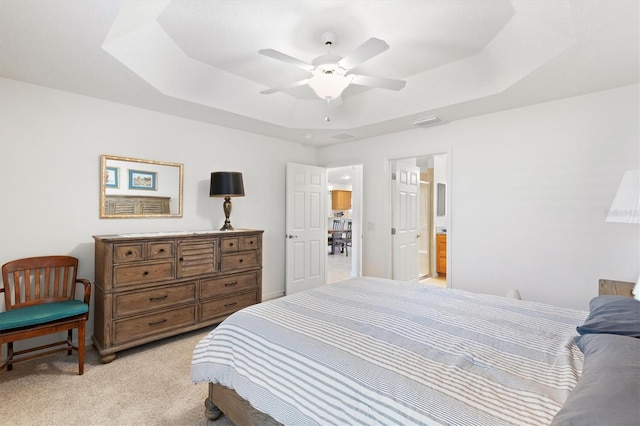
<point x="227" y="185"/>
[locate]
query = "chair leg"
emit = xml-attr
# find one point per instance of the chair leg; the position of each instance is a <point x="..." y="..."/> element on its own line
<point x="9" y="356"/>
<point x="69" y="340"/>
<point x="81" y="329"/>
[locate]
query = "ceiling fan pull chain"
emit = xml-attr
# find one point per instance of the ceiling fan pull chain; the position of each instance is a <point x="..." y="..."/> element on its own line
<point x="327" y="118"/>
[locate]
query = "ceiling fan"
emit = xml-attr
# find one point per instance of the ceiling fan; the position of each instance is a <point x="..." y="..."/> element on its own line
<point x="331" y="74"/>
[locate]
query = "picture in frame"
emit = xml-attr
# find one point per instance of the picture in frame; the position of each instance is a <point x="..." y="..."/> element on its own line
<point x="112" y="177"/>
<point x="139" y="179"/>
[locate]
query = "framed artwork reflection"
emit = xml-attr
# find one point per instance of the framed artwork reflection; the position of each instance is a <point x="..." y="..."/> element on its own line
<point x="112" y="177"/>
<point x="139" y="179"/>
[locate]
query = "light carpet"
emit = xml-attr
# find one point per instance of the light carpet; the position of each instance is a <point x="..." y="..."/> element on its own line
<point x="147" y="385"/>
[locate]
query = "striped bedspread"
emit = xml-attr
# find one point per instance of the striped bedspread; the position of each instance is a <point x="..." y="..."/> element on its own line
<point x="380" y="352"/>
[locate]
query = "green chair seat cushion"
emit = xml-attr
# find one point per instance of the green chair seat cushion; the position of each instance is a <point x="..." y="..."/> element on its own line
<point x="40" y="314"/>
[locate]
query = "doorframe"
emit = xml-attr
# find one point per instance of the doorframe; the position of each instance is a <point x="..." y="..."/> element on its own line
<point x="449" y="210"/>
<point x="357" y="200"/>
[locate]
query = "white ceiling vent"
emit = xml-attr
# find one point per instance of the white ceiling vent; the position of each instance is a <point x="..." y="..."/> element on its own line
<point x="427" y="121"/>
<point x="342" y="137"/>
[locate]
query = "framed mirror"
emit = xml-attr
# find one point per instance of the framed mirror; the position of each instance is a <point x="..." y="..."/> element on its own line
<point x="134" y="188"/>
<point x="442" y="196"/>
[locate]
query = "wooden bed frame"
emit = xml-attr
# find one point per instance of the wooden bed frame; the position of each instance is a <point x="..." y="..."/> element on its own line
<point x="222" y="400"/>
<point x="225" y="401"/>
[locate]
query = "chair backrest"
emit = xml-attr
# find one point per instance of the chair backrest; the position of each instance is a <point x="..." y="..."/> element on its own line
<point x="338" y="224"/>
<point x="36" y="280"/>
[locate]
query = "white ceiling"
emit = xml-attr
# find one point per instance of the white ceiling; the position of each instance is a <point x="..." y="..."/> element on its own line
<point x="199" y="59"/>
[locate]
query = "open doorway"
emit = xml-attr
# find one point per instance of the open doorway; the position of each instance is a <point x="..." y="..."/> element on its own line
<point x="430" y="248"/>
<point x="344" y="223"/>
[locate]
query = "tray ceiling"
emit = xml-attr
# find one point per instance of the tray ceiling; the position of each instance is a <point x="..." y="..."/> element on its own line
<point x="199" y="59"/>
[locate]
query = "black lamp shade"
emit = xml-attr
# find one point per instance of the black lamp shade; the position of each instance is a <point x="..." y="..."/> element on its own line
<point x="226" y="184"/>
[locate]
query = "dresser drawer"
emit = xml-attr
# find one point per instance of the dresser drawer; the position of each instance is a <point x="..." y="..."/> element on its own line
<point x="157" y="298"/>
<point x="229" y="244"/>
<point x="219" y="286"/>
<point x="244" y="260"/>
<point x="131" y="329"/>
<point x="226" y="306"/>
<point x="144" y="273"/>
<point x="130" y="252"/>
<point x="160" y="250"/>
<point x="249" y="243"/>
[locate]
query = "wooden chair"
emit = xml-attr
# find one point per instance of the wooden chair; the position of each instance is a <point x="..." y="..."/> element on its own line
<point x="343" y="241"/>
<point x="39" y="295"/>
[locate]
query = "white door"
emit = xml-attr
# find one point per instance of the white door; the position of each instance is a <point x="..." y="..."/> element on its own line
<point x="306" y="232"/>
<point x="406" y="187"/>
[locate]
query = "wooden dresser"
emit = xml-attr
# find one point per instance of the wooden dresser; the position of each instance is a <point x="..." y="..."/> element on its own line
<point x="151" y="286"/>
<point x="441" y="254"/>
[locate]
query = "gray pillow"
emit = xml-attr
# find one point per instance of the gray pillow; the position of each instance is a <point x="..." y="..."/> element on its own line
<point x="608" y="392"/>
<point x="613" y="315"/>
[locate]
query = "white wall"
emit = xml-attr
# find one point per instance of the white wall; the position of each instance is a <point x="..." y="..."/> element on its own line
<point x="528" y="188"/>
<point x="528" y="191"/>
<point x="440" y="173"/>
<point x="49" y="175"/>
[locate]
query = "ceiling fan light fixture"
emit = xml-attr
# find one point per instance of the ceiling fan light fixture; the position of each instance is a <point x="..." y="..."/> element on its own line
<point x="329" y="86"/>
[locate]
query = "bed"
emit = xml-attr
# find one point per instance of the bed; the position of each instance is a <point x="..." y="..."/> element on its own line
<point x="376" y="351"/>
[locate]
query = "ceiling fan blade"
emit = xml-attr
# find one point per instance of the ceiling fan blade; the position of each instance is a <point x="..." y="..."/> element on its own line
<point x="289" y="86"/>
<point x="381" y="82"/>
<point x="367" y="50"/>
<point x="286" y="59"/>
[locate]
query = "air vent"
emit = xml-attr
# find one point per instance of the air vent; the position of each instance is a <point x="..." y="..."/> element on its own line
<point x="427" y="121"/>
<point x="342" y="137"/>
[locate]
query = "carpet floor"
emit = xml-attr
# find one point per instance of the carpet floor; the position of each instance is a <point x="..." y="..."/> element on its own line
<point x="147" y="385"/>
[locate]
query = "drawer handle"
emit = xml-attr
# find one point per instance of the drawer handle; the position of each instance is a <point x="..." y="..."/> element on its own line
<point x="161" y="250"/>
<point x="155" y="299"/>
<point x="250" y="243"/>
<point x="230" y="244"/>
<point x="145" y="273"/>
<point x="240" y="260"/>
<point x="158" y="322"/>
<point x="230" y="284"/>
<point x="227" y="305"/>
<point x="129" y="253"/>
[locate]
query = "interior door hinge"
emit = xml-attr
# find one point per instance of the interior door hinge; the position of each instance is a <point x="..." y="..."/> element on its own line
<point x="393" y="231"/>
<point x="393" y="176"/>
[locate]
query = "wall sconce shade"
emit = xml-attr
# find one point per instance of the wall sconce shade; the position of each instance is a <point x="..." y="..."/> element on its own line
<point x="227" y="185"/>
<point x="626" y="205"/>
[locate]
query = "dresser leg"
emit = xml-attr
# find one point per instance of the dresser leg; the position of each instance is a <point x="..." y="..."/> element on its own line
<point x="106" y="359"/>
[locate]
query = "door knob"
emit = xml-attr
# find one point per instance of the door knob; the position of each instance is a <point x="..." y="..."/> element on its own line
<point x="291" y="236"/>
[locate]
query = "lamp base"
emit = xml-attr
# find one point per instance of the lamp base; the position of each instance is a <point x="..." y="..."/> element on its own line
<point x="227" y="226"/>
<point x="226" y="206"/>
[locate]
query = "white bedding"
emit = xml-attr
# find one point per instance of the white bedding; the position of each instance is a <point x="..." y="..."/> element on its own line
<point x="372" y="351"/>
